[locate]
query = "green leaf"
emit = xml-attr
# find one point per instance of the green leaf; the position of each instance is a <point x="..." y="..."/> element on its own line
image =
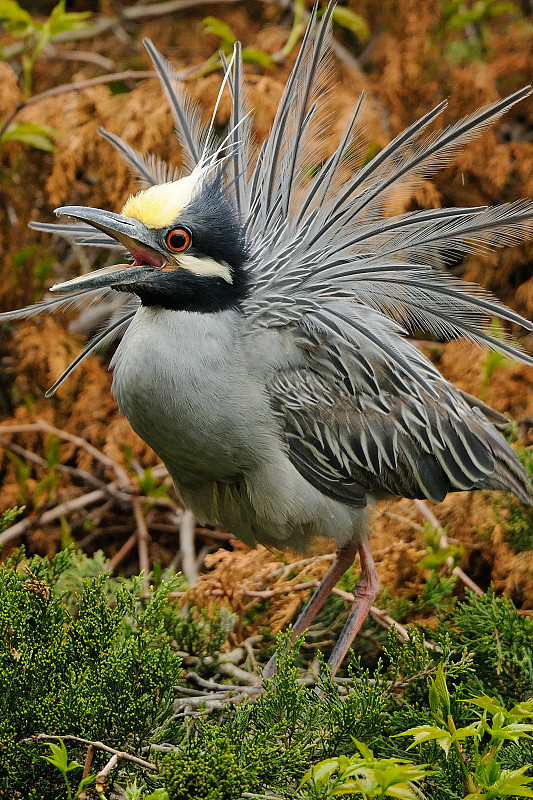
<point x="221" y="29"/>
<point x="59" y="758"/>
<point x="474" y="729"/>
<point x="320" y="773"/>
<point x="159" y="794"/>
<point x="403" y="792"/>
<point x="428" y="733"/>
<point x="352" y="22"/>
<point x="365" y="751"/>
<point x="16" y="20"/>
<point x="511" y="783"/>
<point x="521" y="711"/>
<point x="442" y="689"/>
<point x="512" y="732"/>
<point x="437" y="558"/>
<point x="434" y="699"/>
<point x="84" y="784"/>
<point x="487" y="703"/>
<point x="60" y="21"/>
<point x="259" y="57"/>
<point x="32" y="134"/>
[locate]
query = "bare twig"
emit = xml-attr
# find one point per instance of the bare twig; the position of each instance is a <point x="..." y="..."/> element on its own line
<point x="122" y="475"/>
<point x="87" y="769"/>
<point x="52" y="515"/>
<point x="254" y="796"/>
<point x="79" y="55"/>
<point x="400" y="518"/>
<point x="41" y="426"/>
<point x="237" y="674"/>
<point x="429" y="515"/>
<point x="266" y="593"/>
<point x="219" y="687"/>
<point x="444" y="542"/>
<point x="121" y="554"/>
<point x="287" y="568"/>
<point x="143" y="537"/>
<point x="27" y="455"/>
<point x="121" y="755"/>
<point x="386" y="621"/>
<point x="188" y="556"/>
<point x="101" y="778"/>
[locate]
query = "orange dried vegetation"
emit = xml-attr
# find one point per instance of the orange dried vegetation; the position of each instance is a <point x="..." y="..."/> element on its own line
<point x="405" y="70"/>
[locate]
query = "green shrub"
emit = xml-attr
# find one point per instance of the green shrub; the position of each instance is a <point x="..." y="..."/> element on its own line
<point x="209" y="769"/>
<point x="94" y="662"/>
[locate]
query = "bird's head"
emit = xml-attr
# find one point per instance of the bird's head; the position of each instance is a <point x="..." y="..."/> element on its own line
<point x="186" y="240"/>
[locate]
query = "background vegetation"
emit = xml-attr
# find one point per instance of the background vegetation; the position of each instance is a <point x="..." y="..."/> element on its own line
<point x="144" y="665"/>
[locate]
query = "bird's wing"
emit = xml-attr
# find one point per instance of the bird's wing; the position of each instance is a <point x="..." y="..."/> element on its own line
<point x="321" y="245"/>
<point x="351" y="444"/>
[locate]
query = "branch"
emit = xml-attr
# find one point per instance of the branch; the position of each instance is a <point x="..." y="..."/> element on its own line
<point x="41" y="426"/>
<point x="50" y="516"/>
<point x="120" y="754"/>
<point x="188" y="559"/>
<point x="101" y="778"/>
<point x="143" y="537"/>
<point x="87" y="768"/>
<point x="42" y="462"/>
<point x="130" y="74"/>
<point x="443" y="542"/>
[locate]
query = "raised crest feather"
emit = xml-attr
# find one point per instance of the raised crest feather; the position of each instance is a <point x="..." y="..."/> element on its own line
<point x="320" y="247"/>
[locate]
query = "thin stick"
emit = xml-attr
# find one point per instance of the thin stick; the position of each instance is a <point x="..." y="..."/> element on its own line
<point x="121" y="473"/>
<point x="298" y="587"/>
<point x="443" y="542"/>
<point x="50" y="516"/>
<point x="101" y="778"/>
<point x="41" y="426"/>
<point x="44" y="737"/>
<point x="42" y="462"/>
<point x="121" y="554"/>
<point x="188" y="556"/>
<point x="87" y="769"/>
<point x="143" y="537"/>
<point x="79" y="55"/>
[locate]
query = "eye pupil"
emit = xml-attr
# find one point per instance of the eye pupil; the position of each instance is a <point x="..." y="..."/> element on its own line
<point x="178" y="239"/>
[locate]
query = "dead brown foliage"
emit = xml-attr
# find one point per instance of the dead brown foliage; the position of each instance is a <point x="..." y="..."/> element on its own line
<point x="406" y="70"/>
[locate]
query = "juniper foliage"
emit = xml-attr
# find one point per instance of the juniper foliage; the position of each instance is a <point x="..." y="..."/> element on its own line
<point x="102" y="671"/>
<point x="83" y="654"/>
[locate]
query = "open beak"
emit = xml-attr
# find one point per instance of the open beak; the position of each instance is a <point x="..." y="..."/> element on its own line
<point x="132" y="234"/>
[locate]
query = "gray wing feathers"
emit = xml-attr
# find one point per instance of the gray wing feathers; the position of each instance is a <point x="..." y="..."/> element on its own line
<point x="348" y="446"/>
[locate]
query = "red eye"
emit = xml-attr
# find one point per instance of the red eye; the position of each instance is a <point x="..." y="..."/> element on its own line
<point x="178" y="239"/>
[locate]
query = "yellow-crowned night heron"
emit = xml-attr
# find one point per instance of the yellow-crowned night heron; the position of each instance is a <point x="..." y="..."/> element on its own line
<point x="263" y="353"/>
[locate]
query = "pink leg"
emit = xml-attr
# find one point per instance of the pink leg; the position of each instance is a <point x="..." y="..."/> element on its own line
<point x="367" y="589"/>
<point x="345" y="558"/>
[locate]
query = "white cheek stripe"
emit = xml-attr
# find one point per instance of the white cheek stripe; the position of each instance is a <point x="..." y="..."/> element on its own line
<point x="205" y="266"/>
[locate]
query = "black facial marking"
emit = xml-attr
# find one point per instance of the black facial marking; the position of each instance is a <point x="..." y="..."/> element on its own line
<point x="215" y="227"/>
<point x="216" y="233"/>
<point x="182" y="290"/>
